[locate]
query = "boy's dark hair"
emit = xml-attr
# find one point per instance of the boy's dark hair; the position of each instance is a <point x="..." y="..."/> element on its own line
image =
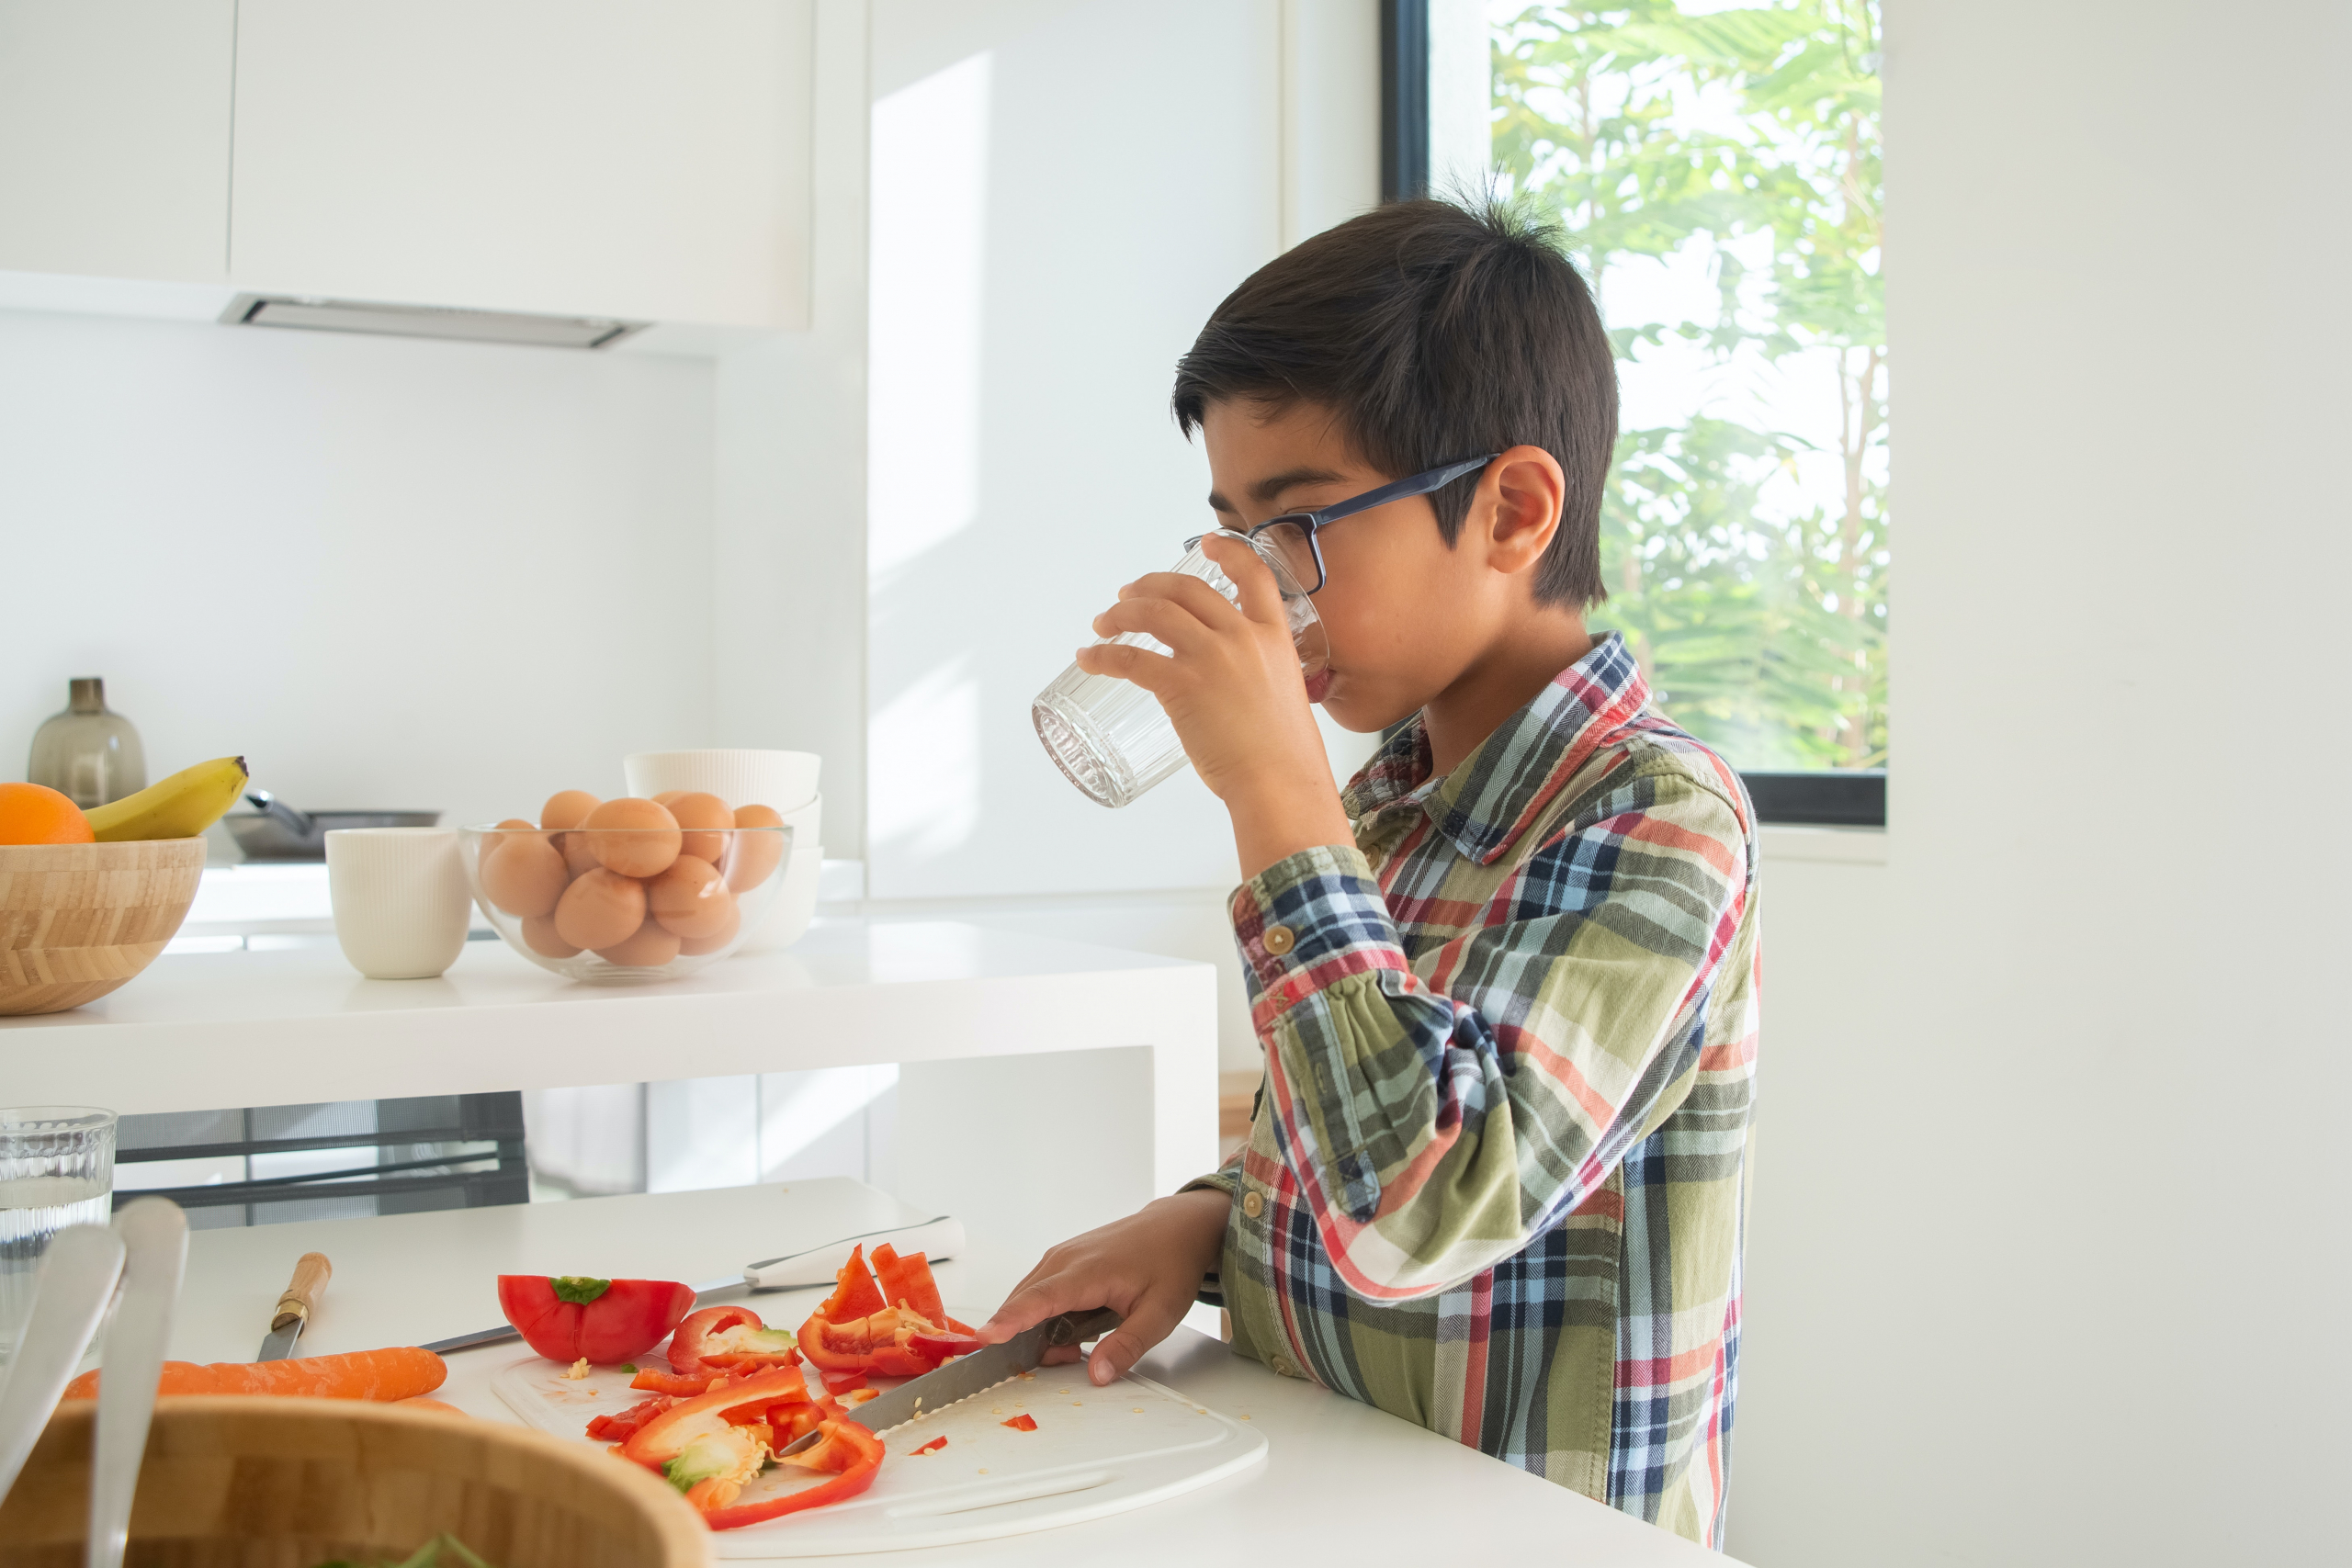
<point x="1437" y="333"/>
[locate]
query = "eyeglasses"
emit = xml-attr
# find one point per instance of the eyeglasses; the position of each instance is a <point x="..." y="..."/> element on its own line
<point x="1291" y="536"/>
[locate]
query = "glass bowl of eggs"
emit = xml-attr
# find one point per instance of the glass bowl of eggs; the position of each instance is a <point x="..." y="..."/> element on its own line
<point x="628" y="892"/>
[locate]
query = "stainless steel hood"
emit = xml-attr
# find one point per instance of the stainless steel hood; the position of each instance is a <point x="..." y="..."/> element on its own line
<point x="313" y="314"/>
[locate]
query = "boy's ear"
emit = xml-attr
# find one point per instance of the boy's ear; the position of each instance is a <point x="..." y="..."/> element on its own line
<point x="1518" y="500"/>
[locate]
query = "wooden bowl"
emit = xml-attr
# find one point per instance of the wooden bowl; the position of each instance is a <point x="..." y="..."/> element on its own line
<point x="248" y="1482"/>
<point x="77" y="921"/>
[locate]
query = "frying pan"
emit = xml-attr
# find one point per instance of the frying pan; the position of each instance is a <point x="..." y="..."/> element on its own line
<point x="281" y="832"/>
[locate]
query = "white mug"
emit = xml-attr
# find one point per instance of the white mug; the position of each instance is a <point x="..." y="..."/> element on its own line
<point x="401" y="905"/>
<point x="742" y="776"/>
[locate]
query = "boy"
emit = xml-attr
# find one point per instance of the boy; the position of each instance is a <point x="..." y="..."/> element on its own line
<point x="1505" y="983"/>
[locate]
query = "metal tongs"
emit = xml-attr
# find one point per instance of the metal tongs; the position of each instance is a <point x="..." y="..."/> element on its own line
<point x="134" y="1268"/>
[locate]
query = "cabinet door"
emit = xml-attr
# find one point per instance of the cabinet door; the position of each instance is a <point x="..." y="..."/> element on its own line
<point x="114" y="137"/>
<point x="601" y="157"/>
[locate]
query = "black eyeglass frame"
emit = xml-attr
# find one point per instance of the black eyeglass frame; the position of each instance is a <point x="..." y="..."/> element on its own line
<point x="1322" y="517"/>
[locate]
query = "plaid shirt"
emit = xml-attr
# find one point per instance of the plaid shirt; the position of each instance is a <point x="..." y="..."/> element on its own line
<point x="1494" y="1180"/>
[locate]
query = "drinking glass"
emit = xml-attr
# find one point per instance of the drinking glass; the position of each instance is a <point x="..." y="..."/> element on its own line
<point x="56" y="1169"/>
<point x="1109" y="737"/>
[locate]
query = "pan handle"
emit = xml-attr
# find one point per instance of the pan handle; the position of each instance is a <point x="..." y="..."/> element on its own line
<point x="298" y="823"/>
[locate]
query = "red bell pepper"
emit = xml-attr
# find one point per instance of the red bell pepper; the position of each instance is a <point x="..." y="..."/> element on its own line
<point x="732" y="1341"/>
<point x="1021" y="1423"/>
<point x="677" y="1387"/>
<point x="852" y="1454"/>
<point x="906" y="1282"/>
<point x="569" y="1316"/>
<point x="932" y="1447"/>
<point x="855" y="1294"/>
<point x="618" y="1428"/>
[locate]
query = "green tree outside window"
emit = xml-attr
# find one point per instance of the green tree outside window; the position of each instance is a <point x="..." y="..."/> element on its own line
<point x="1746" y="552"/>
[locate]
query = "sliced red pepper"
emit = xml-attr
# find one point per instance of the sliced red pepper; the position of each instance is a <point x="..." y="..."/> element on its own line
<point x="662" y="1439"/>
<point x="932" y="1447"/>
<point x="1021" y="1423"/>
<point x="673" y="1384"/>
<point x="850" y="1382"/>
<point x="852" y="1452"/>
<point x="855" y="1294"/>
<point x="898" y="1361"/>
<point x="565" y="1317"/>
<point x="906" y="1282"/>
<point x="712" y="1341"/>
<point x="613" y="1428"/>
<point x="941" y="1346"/>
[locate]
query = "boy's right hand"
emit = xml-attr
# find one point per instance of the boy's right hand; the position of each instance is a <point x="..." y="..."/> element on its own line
<point x="1147" y="1267"/>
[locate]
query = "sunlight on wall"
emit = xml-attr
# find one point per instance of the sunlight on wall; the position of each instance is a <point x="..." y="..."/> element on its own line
<point x="924" y="749"/>
<point x="929" y="273"/>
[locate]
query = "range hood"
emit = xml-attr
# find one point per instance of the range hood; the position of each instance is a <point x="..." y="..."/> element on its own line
<point x="311" y="313"/>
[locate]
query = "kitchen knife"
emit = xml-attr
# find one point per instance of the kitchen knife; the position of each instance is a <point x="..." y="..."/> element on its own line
<point x="312" y="1272"/>
<point x="939" y="1237"/>
<point x="967" y="1375"/>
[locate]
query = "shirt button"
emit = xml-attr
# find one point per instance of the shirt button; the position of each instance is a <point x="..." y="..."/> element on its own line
<point x="1253" y="1204"/>
<point x="1280" y="940"/>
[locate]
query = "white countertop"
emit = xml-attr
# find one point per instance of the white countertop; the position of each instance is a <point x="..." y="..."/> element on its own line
<point x="1341" y="1479"/>
<point x="202" y="1031"/>
<point x="998" y="1037"/>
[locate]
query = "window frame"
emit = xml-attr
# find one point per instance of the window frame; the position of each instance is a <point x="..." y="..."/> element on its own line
<point x="1826" y="797"/>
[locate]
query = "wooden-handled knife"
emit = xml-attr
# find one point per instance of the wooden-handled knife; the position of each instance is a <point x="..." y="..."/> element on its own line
<point x="293" y="1311"/>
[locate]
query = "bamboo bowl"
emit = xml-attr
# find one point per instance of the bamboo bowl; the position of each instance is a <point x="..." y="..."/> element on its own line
<point x="77" y="921"/>
<point x="248" y="1482"/>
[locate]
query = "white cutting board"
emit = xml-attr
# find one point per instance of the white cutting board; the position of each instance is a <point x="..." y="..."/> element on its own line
<point x="1095" y="1452"/>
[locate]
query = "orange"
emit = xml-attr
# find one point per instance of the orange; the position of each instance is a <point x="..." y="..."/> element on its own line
<point x="36" y="813"/>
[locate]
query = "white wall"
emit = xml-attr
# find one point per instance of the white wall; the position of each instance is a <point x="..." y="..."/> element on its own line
<point x="391" y="573"/>
<point x="2050" y="1251"/>
<point x="1061" y="195"/>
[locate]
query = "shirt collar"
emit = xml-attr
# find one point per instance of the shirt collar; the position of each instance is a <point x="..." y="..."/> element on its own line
<point x="1487" y="802"/>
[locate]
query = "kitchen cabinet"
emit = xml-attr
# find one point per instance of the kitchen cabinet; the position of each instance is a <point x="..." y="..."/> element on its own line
<point x="115" y="137"/>
<point x="593" y="157"/>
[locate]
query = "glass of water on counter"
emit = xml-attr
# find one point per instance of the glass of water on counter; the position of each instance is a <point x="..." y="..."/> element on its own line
<point x="56" y="1169"/>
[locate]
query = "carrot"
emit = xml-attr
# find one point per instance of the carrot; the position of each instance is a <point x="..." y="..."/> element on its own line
<point x="398" y="1373"/>
<point x="421" y="1403"/>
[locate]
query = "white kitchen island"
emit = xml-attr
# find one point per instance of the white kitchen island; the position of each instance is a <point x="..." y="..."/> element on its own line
<point x="1044" y="1087"/>
<point x="1341" y="1481"/>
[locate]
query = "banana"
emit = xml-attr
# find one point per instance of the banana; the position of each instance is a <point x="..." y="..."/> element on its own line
<point x="180" y="807"/>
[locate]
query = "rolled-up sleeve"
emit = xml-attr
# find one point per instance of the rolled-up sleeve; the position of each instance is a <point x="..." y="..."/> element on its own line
<point x="1435" y="1125"/>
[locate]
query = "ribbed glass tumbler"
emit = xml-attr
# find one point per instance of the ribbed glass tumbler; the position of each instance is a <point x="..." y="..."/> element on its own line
<point x="56" y="1169"/>
<point x="1109" y="737"/>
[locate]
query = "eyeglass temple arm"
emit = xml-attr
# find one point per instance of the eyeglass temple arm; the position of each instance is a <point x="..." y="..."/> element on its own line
<point x="1416" y="484"/>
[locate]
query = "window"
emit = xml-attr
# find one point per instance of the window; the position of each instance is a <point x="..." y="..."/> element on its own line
<point x="1716" y="167"/>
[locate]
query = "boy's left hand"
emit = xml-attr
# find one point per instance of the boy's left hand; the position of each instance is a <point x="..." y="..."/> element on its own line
<point x="1231" y="686"/>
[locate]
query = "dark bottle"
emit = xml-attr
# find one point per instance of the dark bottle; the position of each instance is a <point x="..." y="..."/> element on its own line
<point x="87" y="753"/>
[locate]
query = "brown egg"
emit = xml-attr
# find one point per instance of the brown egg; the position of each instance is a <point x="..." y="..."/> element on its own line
<point x="577" y="856"/>
<point x="690" y="899"/>
<point x="539" y="935"/>
<point x="695" y="946"/>
<point x="526" y="877"/>
<point x="491" y="841"/>
<point x="667" y="795"/>
<point x="645" y="844"/>
<point x="568" y="808"/>
<point x="705" y="812"/>
<point x="756" y="854"/>
<point x="600" y="909"/>
<point x="649" y="946"/>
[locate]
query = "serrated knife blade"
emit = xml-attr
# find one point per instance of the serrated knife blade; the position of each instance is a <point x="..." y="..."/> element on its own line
<point x="977" y="1373"/>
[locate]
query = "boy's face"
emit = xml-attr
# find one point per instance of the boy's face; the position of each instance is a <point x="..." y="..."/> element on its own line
<point x="1407" y="615"/>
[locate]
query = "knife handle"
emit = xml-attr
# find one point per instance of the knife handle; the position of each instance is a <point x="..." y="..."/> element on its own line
<point x="312" y="1272"/>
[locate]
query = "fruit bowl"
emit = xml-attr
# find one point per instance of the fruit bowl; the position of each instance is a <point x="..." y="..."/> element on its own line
<point x="77" y="921"/>
<point x="625" y="906"/>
